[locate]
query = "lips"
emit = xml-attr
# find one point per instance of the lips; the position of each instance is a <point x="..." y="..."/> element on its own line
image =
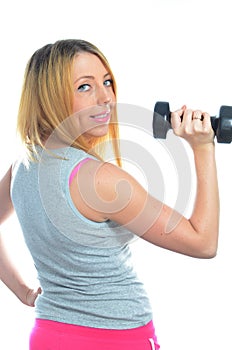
<point x="101" y="117"/>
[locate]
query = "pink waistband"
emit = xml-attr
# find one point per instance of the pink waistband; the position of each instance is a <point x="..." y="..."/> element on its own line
<point x="135" y="333"/>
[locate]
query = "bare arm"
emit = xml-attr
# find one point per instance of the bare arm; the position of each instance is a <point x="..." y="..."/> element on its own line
<point x="8" y="273"/>
<point x="115" y="195"/>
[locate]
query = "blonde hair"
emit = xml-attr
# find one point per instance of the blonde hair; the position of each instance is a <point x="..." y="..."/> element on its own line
<point x="47" y="99"/>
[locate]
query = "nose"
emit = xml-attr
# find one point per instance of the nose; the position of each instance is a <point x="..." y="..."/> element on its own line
<point x="104" y="96"/>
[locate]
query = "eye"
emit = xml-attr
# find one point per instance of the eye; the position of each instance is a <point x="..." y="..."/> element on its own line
<point x="83" y="88"/>
<point x="108" y="82"/>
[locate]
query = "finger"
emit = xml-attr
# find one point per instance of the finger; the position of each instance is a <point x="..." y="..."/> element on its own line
<point x="184" y="107"/>
<point x="187" y="117"/>
<point x="206" y="124"/>
<point x="32" y="296"/>
<point x="206" y="120"/>
<point x="176" y="117"/>
<point x="197" y="116"/>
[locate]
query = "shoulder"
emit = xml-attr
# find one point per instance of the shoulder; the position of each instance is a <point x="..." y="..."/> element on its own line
<point x="106" y="177"/>
<point x="95" y="189"/>
<point x="109" y="189"/>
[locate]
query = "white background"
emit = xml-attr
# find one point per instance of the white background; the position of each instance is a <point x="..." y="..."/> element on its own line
<point x="172" y="50"/>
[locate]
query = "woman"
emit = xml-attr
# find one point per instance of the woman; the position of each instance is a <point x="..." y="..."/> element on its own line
<point x="78" y="213"/>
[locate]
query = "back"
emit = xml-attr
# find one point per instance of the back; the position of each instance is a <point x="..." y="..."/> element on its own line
<point x="84" y="267"/>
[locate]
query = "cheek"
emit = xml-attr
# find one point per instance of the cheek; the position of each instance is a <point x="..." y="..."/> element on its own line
<point x="80" y="104"/>
<point x="77" y="105"/>
<point x="82" y="119"/>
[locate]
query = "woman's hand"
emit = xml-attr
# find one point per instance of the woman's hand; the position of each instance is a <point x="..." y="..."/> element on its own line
<point x="31" y="296"/>
<point x="194" y="126"/>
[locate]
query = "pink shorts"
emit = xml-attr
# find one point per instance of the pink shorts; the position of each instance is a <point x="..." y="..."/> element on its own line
<point x="51" y="335"/>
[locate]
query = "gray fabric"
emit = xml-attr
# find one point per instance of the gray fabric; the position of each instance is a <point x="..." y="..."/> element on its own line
<point x="84" y="267"/>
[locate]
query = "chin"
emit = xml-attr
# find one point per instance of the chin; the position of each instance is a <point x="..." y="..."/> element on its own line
<point x="98" y="131"/>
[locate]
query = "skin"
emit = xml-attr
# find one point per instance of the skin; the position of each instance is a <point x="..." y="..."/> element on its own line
<point x="8" y="272"/>
<point x="93" y="96"/>
<point x="103" y="191"/>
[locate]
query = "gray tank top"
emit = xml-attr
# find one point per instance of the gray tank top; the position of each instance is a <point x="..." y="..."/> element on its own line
<point x="84" y="268"/>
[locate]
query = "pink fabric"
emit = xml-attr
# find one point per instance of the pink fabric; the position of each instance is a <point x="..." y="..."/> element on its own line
<point x="51" y="335"/>
<point x="75" y="170"/>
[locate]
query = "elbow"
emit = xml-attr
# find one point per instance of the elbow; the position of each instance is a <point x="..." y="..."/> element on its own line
<point x="210" y="254"/>
<point x="207" y="253"/>
<point x="209" y="250"/>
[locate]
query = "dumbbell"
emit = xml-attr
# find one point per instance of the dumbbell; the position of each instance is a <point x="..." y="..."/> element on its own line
<point x="222" y="124"/>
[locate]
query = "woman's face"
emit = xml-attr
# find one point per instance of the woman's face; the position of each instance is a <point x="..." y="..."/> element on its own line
<point x="93" y="97"/>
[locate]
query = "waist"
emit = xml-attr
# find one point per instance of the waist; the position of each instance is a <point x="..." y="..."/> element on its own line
<point x="145" y="331"/>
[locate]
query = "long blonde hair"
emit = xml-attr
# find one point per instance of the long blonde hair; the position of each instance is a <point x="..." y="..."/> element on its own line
<point x="47" y="98"/>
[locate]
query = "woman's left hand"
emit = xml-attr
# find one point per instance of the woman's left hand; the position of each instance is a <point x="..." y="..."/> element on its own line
<point x="31" y="296"/>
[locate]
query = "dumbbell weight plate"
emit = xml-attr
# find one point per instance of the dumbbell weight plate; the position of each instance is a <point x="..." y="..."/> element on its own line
<point x="224" y="130"/>
<point x="161" y="120"/>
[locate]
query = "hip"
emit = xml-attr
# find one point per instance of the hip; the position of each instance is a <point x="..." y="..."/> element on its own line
<point x="54" y="335"/>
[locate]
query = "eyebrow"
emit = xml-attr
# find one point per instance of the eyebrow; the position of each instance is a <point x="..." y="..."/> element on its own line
<point x="89" y="77"/>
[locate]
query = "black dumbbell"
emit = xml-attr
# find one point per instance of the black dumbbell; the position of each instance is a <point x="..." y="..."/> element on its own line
<point x="222" y="124"/>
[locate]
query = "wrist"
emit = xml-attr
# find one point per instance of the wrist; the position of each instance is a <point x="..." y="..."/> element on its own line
<point x="204" y="147"/>
<point x="23" y="293"/>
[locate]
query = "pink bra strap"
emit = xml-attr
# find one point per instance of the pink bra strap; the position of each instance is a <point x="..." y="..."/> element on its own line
<point x="75" y="170"/>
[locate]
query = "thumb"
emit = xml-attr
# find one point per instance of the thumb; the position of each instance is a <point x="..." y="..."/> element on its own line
<point x="176" y="117"/>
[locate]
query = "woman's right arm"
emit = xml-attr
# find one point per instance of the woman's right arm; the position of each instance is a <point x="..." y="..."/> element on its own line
<point x="8" y="272"/>
<point x="104" y="191"/>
